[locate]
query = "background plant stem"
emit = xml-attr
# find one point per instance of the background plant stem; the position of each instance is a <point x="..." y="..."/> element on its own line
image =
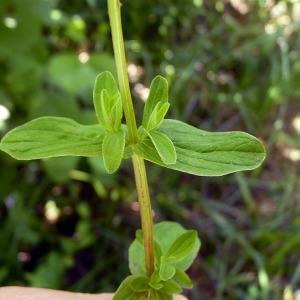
<point x="138" y="162"/>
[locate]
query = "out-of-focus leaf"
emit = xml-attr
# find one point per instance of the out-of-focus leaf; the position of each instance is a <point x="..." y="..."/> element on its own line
<point x="66" y="71"/>
<point x="166" y="270"/>
<point x="58" y="168"/>
<point x="125" y="291"/>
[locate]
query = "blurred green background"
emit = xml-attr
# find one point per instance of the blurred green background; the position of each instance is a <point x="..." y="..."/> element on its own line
<point x="231" y="65"/>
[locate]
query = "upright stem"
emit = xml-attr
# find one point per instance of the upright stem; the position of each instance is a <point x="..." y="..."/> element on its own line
<point x="138" y="162"/>
<point x="118" y="44"/>
<point x="145" y="211"/>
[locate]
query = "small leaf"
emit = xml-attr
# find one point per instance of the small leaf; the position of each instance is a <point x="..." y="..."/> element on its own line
<point x="111" y="112"/>
<point x="113" y="148"/>
<point x="181" y="247"/>
<point x="104" y="81"/>
<point x="182" y="279"/>
<point x="157" y="116"/>
<point x="163" y="109"/>
<point x="155" y="281"/>
<point x="53" y="136"/>
<point x="158" y="295"/>
<point x="164" y="147"/>
<point x="166" y="270"/>
<point x="156" y="285"/>
<point x="103" y="112"/>
<point x="157" y="253"/>
<point x="165" y="233"/>
<point x="158" y="93"/>
<point x="171" y="287"/>
<point x="140" y="284"/>
<point x="204" y="153"/>
<point x="116" y="112"/>
<point x="139" y="236"/>
<point x="152" y="120"/>
<point x="125" y="291"/>
<point x="128" y="151"/>
<point x="107" y="101"/>
<point x="155" y="278"/>
<point x="137" y="259"/>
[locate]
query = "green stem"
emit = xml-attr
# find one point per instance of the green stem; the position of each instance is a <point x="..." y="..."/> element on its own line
<point x="145" y="211"/>
<point x="138" y="162"/>
<point x="118" y="44"/>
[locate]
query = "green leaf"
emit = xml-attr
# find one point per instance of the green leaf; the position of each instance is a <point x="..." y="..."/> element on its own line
<point x="157" y="249"/>
<point x="53" y="136"/>
<point x="181" y="247"/>
<point x="103" y="113"/>
<point x="157" y="116"/>
<point x="158" y="295"/>
<point x="137" y="259"/>
<point x="171" y="287"/>
<point x="166" y="270"/>
<point x="165" y="233"/>
<point x="164" y="147"/>
<point x="125" y="291"/>
<point x="113" y="149"/>
<point x="116" y="112"/>
<point x="66" y="71"/>
<point x="158" y="93"/>
<point x="128" y="151"/>
<point x="182" y="279"/>
<point x="110" y="113"/>
<point x="155" y="278"/>
<point x="140" y="284"/>
<point x="157" y="253"/>
<point x="161" y="112"/>
<point x="204" y="153"/>
<point x="104" y="81"/>
<point x="139" y="236"/>
<point x="58" y="168"/>
<point x="156" y="285"/>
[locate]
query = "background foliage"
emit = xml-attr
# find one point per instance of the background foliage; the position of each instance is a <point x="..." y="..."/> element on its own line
<point x="231" y="65"/>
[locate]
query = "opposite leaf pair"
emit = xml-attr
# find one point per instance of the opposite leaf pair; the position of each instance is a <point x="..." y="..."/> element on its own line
<point x="108" y="105"/>
<point x="168" y="143"/>
<point x="175" y="250"/>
